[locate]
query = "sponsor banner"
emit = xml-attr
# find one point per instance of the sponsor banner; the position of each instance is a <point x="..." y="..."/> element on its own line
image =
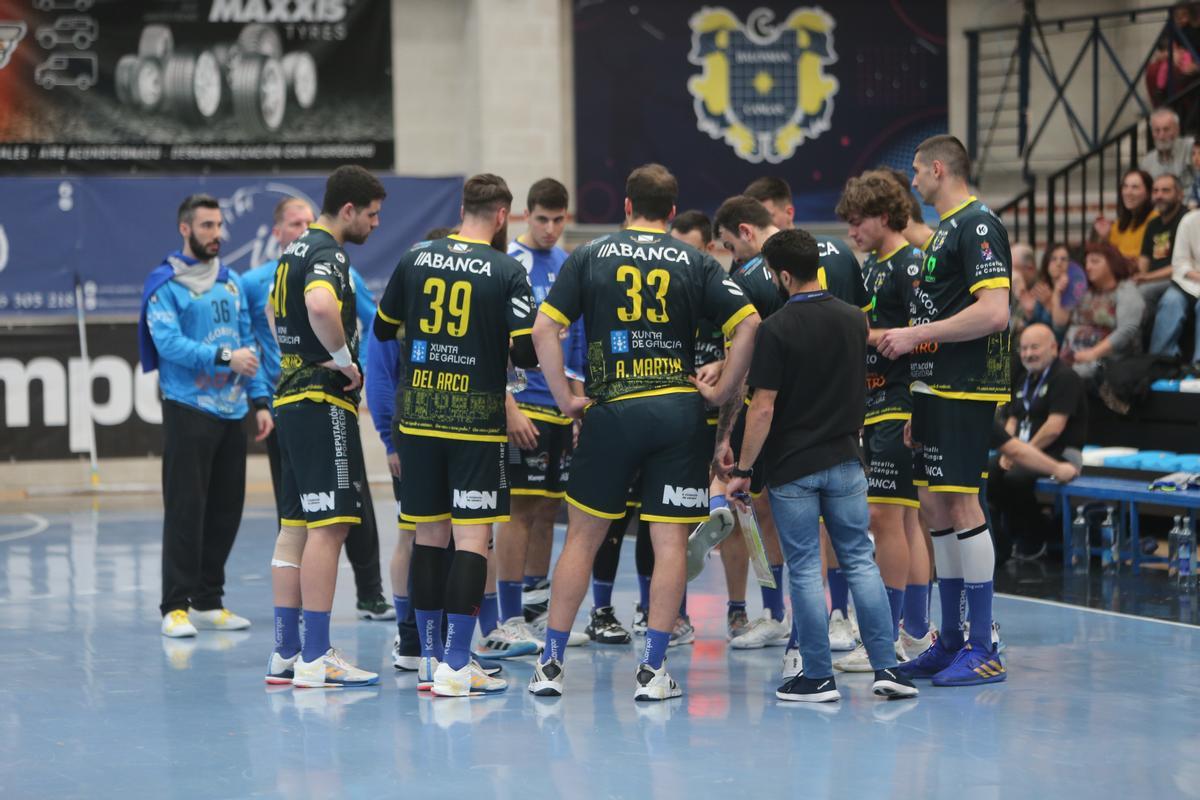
<point x="170" y="86"/>
<point x="112" y="231"/>
<point x="810" y="92"/>
<point x="46" y="386"/>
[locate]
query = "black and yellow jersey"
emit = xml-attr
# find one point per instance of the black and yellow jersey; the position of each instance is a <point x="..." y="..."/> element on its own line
<point x="642" y="295"/>
<point x="460" y="301"/>
<point x="755" y="280"/>
<point x="968" y="252"/>
<point x="888" y="279"/>
<point x="313" y="262"/>
<point x="839" y="273"/>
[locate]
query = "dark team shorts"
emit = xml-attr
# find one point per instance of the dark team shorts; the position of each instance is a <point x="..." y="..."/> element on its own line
<point x="543" y="472"/>
<point x="633" y="499"/>
<point x="321" y="464"/>
<point x="460" y="480"/>
<point x="954" y="436"/>
<point x="890" y="464"/>
<point x="736" y="434"/>
<point x="662" y="436"/>
<point x="400" y="523"/>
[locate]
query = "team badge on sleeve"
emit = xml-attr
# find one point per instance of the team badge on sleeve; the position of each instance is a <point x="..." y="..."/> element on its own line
<point x="763" y="88"/>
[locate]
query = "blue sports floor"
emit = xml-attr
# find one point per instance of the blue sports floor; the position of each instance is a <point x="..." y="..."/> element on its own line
<point x="97" y="704"/>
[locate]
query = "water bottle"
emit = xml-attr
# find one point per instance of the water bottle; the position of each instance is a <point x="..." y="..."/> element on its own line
<point x="1173" y="542"/>
<point x="516" y="380"/>
<point x="1187" y="551"/>
<point x="1080" y="555"/>
<point x="1110" y="553"/>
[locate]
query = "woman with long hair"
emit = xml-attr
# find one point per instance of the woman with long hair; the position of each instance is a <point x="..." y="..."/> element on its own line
<point x="1134" y="210"/>
<point x="1106" y="322"/>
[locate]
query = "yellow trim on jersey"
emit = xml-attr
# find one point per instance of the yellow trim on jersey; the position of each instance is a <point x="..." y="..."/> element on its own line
<point x="880" y="259"/>
<point x="592" y="511"/>
<point x="315" y="227"/>
<point x="482" y="521"/>
<point x="406" y="526"/>
<point x="680" y="520"/>
<point x="321" y="523"/>
<point x="711" y="421"/>
<point x="553" y="313"/>
<point x="899" y="416"/>
<point x="920" y="483"/>
<point x="633" y="503"/>
<point x="990" y="283"/>
<point x="386" y="318"/>
<point x="646" y="230"/>
<point x="458" y="237"/>
<point x="959" y="207"/>
<point x="655" y="393"/>
<point x="537" y="493"/>
<point x="521" y="332"/>
<point x="736" y="319"/>
<point x="928" y="241"/>
<point x="983" y="397"/>
<point x="552" y="417"/>
<point x="430" y="518"/>
<point x="869" y="307"/>
<point x="955" y="489"/>
<point x="292" y="523"/>
<point x="463" y="437"/>
<point x="894" y="501"/>
<point x="324" y="285"/>
<point x="317" y="397"/>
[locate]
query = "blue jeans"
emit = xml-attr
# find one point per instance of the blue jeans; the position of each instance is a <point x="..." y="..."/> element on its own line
<point x="839" y="494"/>
<point x="1168" y="322"/>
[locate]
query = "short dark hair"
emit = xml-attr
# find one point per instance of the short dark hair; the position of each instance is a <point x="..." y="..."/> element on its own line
<point x="652" y="191"/>
<point x="948" y="150"/>
<point x="902" y="179"/>
<point x="1170" y="176"/>
<point x="874" y="194"/>
<point x="769" y="187"/>
<point x="283" y="204"/>
<point x="352" y="184"/>
<point x="738" y="210"/>
<point x="485" y="193"/>
<point x="694" y="220"/>
<point x="549" y="194"/>
<point x="187" y="209"/>
<point x="438" y="233"/>
<point x="793" y="251"/>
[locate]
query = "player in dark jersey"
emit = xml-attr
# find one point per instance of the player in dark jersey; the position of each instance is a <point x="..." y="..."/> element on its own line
<point x="959" y="344"/>
<point x="641" y="294"/>
<point x="877" y="213"/>
<point x="461" y="301"/>
<point x="316" y="414"/>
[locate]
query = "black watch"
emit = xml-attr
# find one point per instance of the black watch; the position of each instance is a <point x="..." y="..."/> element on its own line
<point x="224" y="356"/>
<point x="738" y="472"/>
<point x="261" y="404"/>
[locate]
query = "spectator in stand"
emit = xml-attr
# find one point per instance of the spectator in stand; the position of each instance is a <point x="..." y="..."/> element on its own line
<point x="1182" y="295"/>
<point x="1024" y="262"/>
<point x="1174" y="62"/>
<point x="1022" y="305"/>
<point x="1172" y="153"/>
<point x="1153" y="274"/>
<point x="1193" y="194"/>
<point x="1134" y="210"/>
<point x="1048" y="411"/>
<point x="1106" y="322"/>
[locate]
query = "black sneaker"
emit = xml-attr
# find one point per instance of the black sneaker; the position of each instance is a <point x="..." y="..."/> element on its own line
<point x="604" y="628"/>
<point x="377" y="609"/>
<point x="536" y="600"/>
<point x="891" y="684"/>
<point x="802" y="689"/>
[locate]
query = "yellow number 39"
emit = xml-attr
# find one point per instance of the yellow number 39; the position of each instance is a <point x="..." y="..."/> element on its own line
<point x="657" y="279"/>
<point x="459" y="307"/>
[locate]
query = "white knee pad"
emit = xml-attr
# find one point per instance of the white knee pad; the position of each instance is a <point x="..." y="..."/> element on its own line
<point x="289" y="547"/>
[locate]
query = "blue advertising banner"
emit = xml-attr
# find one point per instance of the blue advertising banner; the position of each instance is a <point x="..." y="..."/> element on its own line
<point x="810" y="92"/>
<point x="112" y="231"/>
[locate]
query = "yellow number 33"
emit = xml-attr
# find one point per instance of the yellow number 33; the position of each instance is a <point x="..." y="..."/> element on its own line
<point x="657" y="279"/>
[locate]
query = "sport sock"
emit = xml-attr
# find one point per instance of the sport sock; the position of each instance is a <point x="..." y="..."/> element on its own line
<point x="316" y="634"/>
<point x="916" y="610"/>
<point x="459" y="628"/>
<point x="556" y="645"/>
<point x="656" y="647"/>
<point x="772" y="599"/>
<point x="509" y="593"/>
<point x="287" y="631"/>
<point x="644" y="591"/>
<point x="979" y="562"/>
<point x="950" y="586"/>
<point x="489" y="610"/>
<point x="839" y="591"/>
<point x="896" y="601"/>
<point x="402" y="606"/>
<point x="601" y="593"/>
<point x="429" y="628"/>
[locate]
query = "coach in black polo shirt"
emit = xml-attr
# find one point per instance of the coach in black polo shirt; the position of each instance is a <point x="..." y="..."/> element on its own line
<point x="1048" y="411"/>
<point x="809" y="380"/>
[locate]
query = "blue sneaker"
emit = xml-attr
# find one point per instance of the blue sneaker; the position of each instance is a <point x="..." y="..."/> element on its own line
<point x="935" y="659"/>
<point x="972" y="667"/>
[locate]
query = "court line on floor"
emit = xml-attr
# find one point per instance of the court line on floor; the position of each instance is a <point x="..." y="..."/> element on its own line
<point x="1102" y="611"/>
<point x="40" y="524"/>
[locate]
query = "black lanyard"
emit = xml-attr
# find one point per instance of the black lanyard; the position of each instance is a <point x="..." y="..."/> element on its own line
<point x="804" y="297"/>
<point x="1026" y="399"/>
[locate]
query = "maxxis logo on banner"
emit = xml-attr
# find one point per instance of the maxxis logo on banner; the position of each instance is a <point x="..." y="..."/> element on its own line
<point x="763" y="88"/>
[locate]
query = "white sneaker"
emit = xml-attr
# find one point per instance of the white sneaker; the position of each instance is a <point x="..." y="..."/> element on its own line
<point x="330" y="670"/>
<point x="682" y="633"/>
<point x="708" y="534"/>
<point x="913" y="646"/>
<point x="176" y="625"/>
<point x="426" y="668"/>
<point x="841" y="633"/>
<point x="403" y="662"/>
<point x="655" y="684"/>
<point x="764" y="632"/>
<point x="506" y="641"/>
<point x="574" y="638"/>
<point x="219" y="619"/>
<point x="859" y="661"/>
<point x="470" y="681"/>
<point x="281" y="670"/>
<point x="640" y="620"/>
<point x="547" y="679"/>
<point x="792" y="664"/>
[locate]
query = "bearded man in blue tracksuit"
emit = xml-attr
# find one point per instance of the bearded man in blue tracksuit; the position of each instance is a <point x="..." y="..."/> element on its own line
<point x="195" y="330"/>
